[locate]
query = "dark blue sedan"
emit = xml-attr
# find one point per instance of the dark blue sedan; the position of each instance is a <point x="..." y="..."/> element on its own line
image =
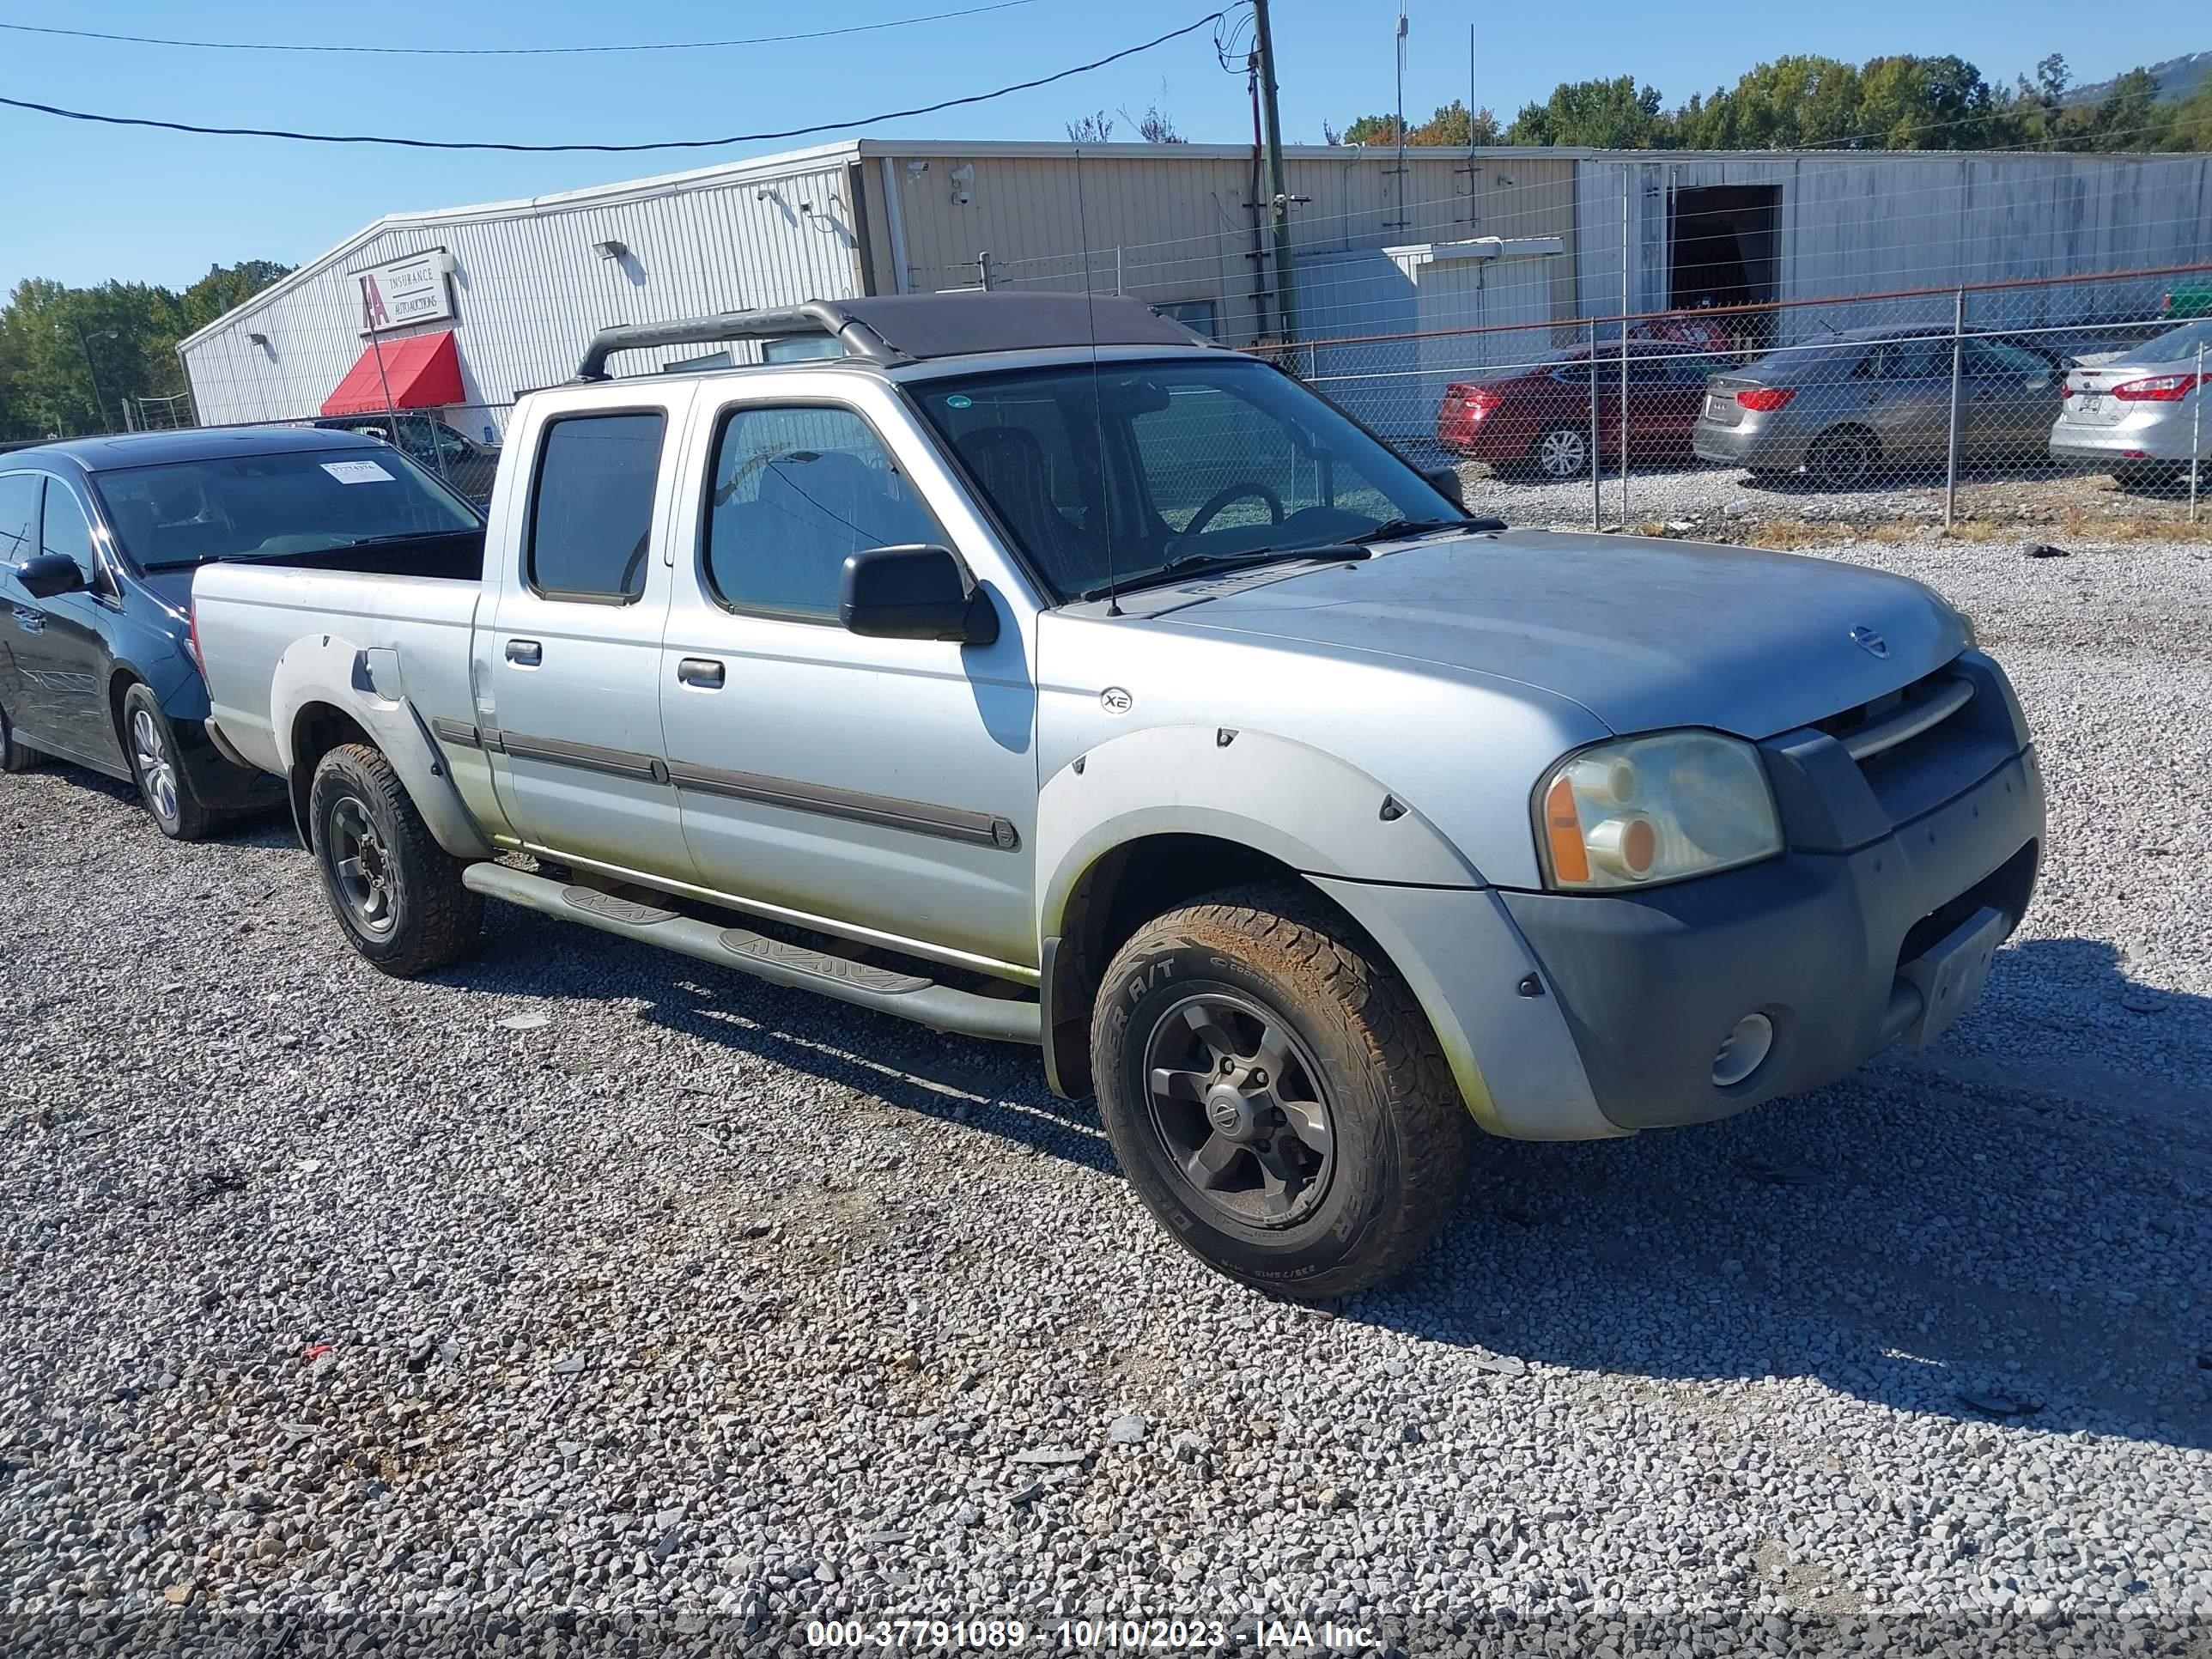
<point x="99" y="538"/>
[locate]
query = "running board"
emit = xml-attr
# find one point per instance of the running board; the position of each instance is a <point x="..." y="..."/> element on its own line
<point x="909" y="996"/>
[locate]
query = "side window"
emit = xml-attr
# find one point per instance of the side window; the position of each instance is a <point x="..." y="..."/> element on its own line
<point x="2000" y="360"/>
<point x="19" y="515"/>
<point x="795" y="491"/>
<point x="67" y="529"/>
<point x="1924" y="359"/>
<point x="590" y="507"/>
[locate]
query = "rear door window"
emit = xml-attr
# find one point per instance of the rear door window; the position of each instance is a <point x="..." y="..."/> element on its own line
<point x="591" y="507"/>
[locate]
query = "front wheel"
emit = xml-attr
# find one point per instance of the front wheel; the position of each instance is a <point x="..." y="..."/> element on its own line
<point x="164" y="787"/>
<point x="1275" y="1094"/>
<point x="395" y="892"/>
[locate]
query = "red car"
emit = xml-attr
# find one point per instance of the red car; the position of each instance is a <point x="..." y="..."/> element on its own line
<point x="1539" y="420"/>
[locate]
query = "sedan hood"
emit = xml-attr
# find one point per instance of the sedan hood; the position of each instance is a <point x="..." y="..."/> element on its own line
<point x="1643" y="633"/>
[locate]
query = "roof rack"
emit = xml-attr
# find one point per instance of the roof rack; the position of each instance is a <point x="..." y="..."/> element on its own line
<point x="913" y="328"/>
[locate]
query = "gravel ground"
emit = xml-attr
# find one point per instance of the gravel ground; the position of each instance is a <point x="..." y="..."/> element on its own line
<point x="1725" y="503"/>
<point x="585" y="1294"/>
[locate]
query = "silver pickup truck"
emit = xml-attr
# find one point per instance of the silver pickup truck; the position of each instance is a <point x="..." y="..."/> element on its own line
<point x="1037" y="670"/>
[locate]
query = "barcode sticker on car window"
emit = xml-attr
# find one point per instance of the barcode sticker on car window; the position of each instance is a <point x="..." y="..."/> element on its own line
<point x="356" y="473"/>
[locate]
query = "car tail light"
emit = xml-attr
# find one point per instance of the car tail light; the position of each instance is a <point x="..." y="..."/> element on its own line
<point x="1766" y="399"/>
<point x="2158" y="389"/>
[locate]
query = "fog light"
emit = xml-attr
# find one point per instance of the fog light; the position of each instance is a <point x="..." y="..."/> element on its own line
<point x="1743" y="1050"/>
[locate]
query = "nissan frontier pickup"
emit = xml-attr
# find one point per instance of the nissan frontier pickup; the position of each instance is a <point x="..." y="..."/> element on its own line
<point x="1036" y="669"/>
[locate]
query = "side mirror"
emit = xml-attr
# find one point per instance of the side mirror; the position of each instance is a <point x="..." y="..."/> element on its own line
<point x="1444" y="480"/>
<point x="914" y="593"/>
<point x="50" y="574"/>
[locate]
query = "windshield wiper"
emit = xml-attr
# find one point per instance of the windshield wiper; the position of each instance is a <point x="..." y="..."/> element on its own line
<point x="1209" y="564"/>
<point x="1391" y="530"/>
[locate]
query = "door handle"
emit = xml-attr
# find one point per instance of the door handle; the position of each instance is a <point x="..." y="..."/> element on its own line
<point x="528" y="653"/>
<point x="702" y="672"/>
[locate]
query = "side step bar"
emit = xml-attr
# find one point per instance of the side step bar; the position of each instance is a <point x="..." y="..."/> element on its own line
<point x="908" y="995"/>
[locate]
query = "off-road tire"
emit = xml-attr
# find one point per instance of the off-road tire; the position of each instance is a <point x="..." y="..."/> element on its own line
<point x="150" y="742"/>
<point x="1401" y="1133"/>
<point x="15" y="756"/>
<point x="433" y="919"/>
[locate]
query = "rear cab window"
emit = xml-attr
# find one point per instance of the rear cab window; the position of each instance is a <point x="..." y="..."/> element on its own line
<point x="589" y="532"/>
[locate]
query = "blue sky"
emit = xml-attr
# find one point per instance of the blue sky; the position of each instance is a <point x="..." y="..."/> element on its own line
<point x="162" y="207"/>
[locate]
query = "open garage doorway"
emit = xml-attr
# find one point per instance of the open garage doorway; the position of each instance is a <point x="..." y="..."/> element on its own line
<point x="1721" y="238"/>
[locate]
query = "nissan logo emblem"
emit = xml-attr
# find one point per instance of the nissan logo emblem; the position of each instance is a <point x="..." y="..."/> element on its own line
<point x="1870" y="642"/>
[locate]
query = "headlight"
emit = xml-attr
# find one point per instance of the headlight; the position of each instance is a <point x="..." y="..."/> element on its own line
<point x="1645" y="809"/>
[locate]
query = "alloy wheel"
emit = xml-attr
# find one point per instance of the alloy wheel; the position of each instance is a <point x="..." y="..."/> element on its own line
<point x="157" y="772"/>
<point x="359" y="862"/>
<point x="1241" y="1108"/>
<point x="1562" y="453"/>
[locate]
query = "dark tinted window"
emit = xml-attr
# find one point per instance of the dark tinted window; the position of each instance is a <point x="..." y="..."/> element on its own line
<point x="591" y="512"/>
<point x="307" y="501"/>
<point x="2000" y="360"/>
<point x="66" y="528"/>
<point x="19" y="515"/>
<point x="796" y="490"/>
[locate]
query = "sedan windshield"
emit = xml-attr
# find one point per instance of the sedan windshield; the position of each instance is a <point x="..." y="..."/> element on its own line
<point x="1112" y="476"/>
<point x="187" y="513"/>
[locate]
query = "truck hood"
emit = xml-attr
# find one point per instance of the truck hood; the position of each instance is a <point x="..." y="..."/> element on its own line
<point x="1643" y="633"/>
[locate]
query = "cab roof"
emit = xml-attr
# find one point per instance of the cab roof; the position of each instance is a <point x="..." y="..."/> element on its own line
<point x="893" y="329"/>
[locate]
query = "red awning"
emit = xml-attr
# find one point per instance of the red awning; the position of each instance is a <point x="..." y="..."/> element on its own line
<point x="422" y="371"/>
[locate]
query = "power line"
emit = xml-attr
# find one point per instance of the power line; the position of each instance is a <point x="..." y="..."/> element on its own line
<point x="664" y="143"/>
<point x="512" y="52"/>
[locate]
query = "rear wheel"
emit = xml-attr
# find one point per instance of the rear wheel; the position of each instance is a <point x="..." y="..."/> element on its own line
<point x="164" y="787"/>
<point x="1275" y="1094"/>
<point x="1842" y="458"/>
<point x="394" y="890"/>
<point x="1560" y="453"/>
<point x="15" y="756"/>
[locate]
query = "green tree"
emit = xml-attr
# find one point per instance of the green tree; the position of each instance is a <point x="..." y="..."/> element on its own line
<point x="1448" y="128"/>
<point x="69" y="356"/>
<point x="1616" y="114"/>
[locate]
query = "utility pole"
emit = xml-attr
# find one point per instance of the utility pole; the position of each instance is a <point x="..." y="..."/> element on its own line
<point x="85" y="346"/>
<point x="1285" y="300"/>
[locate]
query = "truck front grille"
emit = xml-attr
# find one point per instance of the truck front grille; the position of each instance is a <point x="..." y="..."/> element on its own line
<point x="1924" y="743"/>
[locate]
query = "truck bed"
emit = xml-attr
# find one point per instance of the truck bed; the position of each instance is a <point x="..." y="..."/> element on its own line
<point x="418" y="599"/>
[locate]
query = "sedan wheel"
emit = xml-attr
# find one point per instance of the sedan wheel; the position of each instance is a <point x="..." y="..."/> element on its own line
<point x="1842" y="458"/>
<point x="157" y="772"/>
<point x="1561" y="453"/>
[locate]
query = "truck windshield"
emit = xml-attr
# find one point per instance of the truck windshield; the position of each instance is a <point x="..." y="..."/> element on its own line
<point x="1122" y="473"/>
<point x="188" y="512"/>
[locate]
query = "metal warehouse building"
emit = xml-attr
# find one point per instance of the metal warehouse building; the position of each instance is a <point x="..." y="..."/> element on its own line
<point x="460" y="309"/>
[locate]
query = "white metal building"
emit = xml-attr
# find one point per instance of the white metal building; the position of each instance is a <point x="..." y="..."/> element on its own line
<point x="462" y="309"/>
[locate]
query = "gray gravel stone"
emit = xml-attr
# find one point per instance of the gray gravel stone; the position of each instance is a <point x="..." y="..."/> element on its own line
<point x="715" y="1308"/>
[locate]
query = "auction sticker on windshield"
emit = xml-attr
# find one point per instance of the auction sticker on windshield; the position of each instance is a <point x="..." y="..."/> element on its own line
<point x="356" y="473"/>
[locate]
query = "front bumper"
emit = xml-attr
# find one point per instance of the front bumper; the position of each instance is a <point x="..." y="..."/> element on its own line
<point x="1575" y="1016"/>
<point x="1836" y="949"/>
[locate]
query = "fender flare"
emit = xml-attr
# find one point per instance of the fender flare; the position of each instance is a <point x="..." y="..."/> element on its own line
<point x="365" y="685"/>
<point x="1307" y="808"/>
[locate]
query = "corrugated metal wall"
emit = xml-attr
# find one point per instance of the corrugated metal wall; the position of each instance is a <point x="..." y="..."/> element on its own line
<point x="530" y="290"/>
<point x="1870" y="224"/>
<point x="1174" y="224"/>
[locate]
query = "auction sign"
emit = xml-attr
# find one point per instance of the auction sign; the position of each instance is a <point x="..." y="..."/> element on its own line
<point x="415" y="290"/>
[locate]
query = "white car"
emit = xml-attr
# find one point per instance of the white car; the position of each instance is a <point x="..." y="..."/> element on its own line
<point x="2140" y="412"/>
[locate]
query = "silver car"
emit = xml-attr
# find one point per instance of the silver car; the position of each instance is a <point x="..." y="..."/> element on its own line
<point x="1874" y="398"/>
<point x="2140" y="414"/>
